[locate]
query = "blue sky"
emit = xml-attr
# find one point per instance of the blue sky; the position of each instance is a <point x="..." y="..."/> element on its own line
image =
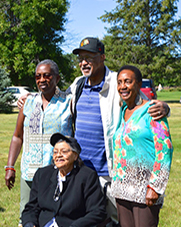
<point x="83" y="21"/>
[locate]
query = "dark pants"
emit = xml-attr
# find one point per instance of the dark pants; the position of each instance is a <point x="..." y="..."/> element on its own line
<point x="132" y="214"/>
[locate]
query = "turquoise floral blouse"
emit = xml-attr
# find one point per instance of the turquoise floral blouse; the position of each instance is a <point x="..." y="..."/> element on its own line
<point x="142" y="156"/>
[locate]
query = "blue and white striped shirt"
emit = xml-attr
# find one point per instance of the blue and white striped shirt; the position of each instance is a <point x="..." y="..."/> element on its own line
<point x="89" y="129"/>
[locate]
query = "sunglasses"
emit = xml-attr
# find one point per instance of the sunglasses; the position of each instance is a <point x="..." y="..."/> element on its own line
<point x="87" y="58"/>
<point x="46" y="76"/>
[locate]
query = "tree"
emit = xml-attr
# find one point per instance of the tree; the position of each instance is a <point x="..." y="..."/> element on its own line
<point x="75" y="70"/>
<point x="31" y="31"/>
<point x="147" y="34"/>
<point x="6" y="98"/>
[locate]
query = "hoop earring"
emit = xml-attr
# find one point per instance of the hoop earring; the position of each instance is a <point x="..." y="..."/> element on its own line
<point x="120" y="102"/>
<point x="138" y="100"/>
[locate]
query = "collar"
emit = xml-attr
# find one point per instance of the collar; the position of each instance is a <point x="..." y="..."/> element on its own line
<point x="97" y="86"/>
<point x="60" y="178"/>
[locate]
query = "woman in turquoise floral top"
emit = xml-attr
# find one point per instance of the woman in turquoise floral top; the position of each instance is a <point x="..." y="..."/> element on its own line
<point x="142" y="156"/>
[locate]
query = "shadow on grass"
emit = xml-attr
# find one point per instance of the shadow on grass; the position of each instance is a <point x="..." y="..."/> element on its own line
<point x="172" y="101"/>
<point x="2" y="209"/>
<point x="15" y="110"/>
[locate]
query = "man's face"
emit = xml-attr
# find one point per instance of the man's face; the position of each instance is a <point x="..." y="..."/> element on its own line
<point x="90" y="63"/>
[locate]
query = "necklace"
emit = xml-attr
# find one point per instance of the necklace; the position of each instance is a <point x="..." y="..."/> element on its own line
<point x="57" y="193"/>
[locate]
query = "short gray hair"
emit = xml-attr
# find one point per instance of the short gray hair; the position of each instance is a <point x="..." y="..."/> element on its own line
<point x="53" y="66"/>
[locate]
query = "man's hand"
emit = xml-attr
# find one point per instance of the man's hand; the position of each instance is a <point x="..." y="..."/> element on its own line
<point x="21" y="100"/>
<point x="151" y="197"/>
<point x="158" y="110"/>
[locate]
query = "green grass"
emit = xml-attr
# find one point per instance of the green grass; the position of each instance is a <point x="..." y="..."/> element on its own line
<point x="169" y="96"/>
<point x="9" y="200"/>
<point x="170" y="215"/>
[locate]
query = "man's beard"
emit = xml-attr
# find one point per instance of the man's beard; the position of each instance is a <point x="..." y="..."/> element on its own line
<point x="87" y="75"/>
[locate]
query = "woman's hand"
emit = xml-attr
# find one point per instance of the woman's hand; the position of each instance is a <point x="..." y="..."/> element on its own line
<point x="10" y="179"/>
<point x="158" y="110"/>
<point x="151" y="197"/>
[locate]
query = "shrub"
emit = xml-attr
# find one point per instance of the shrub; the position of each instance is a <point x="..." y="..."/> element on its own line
<point x="6" y="98"/>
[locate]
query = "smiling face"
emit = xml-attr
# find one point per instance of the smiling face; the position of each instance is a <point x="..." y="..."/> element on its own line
<point x="46" y="80"/>
<point x="90" y="63"/>
<point x="64" y="157"/>
<point x="127" y="86"/>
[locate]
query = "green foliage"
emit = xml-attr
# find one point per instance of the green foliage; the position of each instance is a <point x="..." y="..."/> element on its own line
<point x="147" y="35"/>
<point x="170" y="89"/>
<point x="6" y="98"/>
<point x="31" y="31"/>
<point x="72" y="63"/>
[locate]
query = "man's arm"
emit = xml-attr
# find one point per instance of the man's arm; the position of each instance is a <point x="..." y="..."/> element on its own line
<point x="159" y="110"/>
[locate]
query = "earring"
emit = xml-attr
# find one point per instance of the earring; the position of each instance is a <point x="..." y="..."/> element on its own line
<point x="75" y="164"/>
<point x="120" y="102"/>
<point x="138" y="100"/>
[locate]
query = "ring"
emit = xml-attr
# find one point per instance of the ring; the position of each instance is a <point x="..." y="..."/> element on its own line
<point x="159" y="113"/>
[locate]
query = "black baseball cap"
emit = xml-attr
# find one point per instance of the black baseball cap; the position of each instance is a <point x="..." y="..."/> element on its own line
<point x="58" y="137"/>
<point x="90" y="44"/>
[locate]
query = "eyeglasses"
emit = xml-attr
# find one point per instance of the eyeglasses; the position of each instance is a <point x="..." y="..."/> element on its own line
<point x="55" y="152"/>
<point x="87" y="58"/>
<point x="46" y="76"/>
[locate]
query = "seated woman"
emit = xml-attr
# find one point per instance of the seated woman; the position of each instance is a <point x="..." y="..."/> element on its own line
<point x="142" y="156"/>
<point x="66" y="194"/>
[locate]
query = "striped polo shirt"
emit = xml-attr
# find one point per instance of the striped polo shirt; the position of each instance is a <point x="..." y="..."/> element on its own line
<point x="89" y="129"/>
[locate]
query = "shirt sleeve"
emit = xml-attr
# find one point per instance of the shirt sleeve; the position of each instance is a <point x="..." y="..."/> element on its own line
<point x="66" y="119"/>
<point x="163" y="155"/>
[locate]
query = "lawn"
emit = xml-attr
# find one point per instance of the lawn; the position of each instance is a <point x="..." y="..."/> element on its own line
<point x="170" y="215"/>
<point x="172" y="96"/>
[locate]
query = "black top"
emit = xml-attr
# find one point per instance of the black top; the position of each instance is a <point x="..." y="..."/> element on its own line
<point x="81" y="203"/>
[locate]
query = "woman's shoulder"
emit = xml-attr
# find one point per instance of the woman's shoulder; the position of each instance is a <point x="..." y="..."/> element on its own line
<point x="62" y="95"/>
<point x="145" y="104"/>
<point x="86" y="172"/>
<point x="31" y="102"/>
<point x="47" y="170"/>
<point x="32" y="98"/>
<point x="144" y="107"/>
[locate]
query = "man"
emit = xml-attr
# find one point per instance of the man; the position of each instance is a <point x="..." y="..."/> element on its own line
<point x="95" y="105"/>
